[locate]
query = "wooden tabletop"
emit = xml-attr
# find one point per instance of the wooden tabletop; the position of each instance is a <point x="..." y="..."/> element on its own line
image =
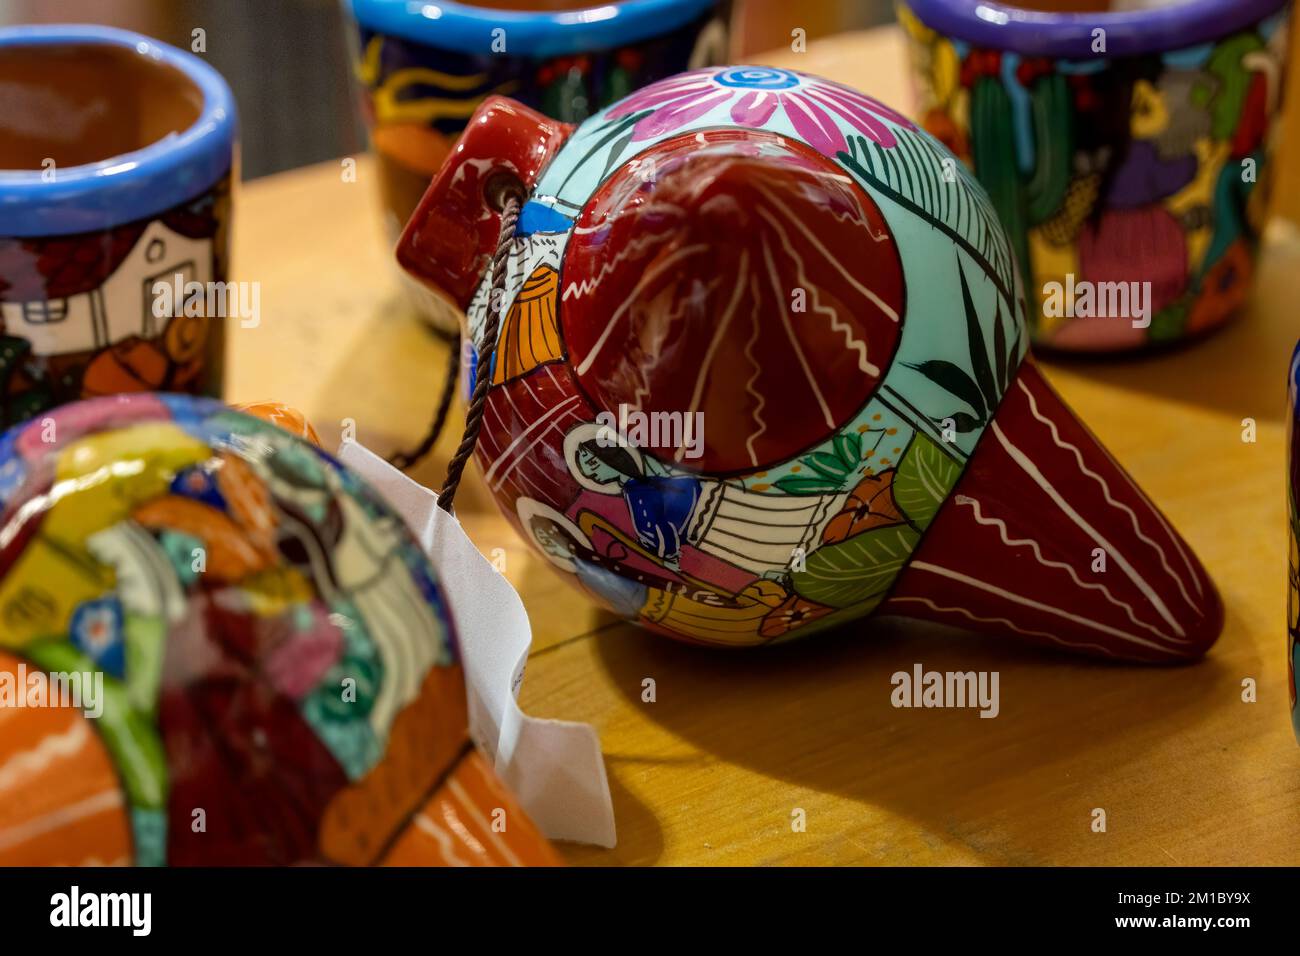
<point x="735" y="743"/>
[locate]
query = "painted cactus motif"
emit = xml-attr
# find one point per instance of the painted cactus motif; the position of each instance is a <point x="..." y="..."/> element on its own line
<point x="1118" y="170"/>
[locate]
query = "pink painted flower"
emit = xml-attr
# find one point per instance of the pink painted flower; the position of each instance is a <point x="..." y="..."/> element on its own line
<point x="299" y="661"/>
<point x="814" y="107"/>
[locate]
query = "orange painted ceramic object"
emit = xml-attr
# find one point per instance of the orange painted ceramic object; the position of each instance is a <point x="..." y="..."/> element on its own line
<point x="218" y="646"/>
<point x="284" y="416"/>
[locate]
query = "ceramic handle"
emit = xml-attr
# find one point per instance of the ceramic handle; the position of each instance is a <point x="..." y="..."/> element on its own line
<point x="453" y="233"/>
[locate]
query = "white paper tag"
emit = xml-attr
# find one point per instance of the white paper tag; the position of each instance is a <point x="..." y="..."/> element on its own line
<point x="553" y="767"/>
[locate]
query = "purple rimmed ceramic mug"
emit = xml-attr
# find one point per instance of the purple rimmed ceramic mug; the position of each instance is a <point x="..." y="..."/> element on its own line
<point x="1125" y="146"/>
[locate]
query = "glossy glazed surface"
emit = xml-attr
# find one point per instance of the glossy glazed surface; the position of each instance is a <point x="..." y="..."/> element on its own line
<point x="673" y="239"/>
<point x="421" y="80"/>
<point x="81" y="312"/>
<point x="756" y="334"/>
<point x="141" y="139"/>
<point x="282" y="416"/>
<point x="1109" y="168"/>
<point x="161" y="138"/>
<point x="1062" y="28"/>
<point x="280" y="681"/>
<point x="536" y="28"/>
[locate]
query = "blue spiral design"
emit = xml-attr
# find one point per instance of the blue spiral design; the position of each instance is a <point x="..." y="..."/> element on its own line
<point x="767" y="78"/>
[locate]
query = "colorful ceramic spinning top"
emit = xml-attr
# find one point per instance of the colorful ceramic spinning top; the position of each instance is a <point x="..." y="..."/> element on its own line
<point x="265" y="664"/>
<point x="762" y="371"/>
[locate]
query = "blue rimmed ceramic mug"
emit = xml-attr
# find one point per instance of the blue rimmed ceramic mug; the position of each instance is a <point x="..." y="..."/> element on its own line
<point x="117" y="154"/>
<point x="423" y="68"/>
<point x="1125" y="146"/>
<point x="1293" y="524"/>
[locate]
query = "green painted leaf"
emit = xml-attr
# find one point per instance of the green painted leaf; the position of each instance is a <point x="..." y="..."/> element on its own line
<point x="961" y="422"/>
<point x="1170" y="322"/>
<point x="1001" y="373"/>
<point x="849" y="449"/>
<point x="979" y="357"/>
<point x="953" y="379"/>
<point x="857" y="568"/>
<point x="799" y="485"/>
<point x="925" y="476"/>
<point x="821" y="471"/>
<point x="828" y="464"/>
<point x="131" y="738"/>
<point x="1014" y="356"/>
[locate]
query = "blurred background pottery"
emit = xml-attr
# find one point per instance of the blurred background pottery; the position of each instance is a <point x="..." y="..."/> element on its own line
<point x="117" y="155"/>
<point x="266" y="664"/>
<point x="424" y="68"/>
<point x="759" y="373"/>
<point x="1125" y="146"/>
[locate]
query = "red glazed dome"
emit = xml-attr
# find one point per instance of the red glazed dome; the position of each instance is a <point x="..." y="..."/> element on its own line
<point x="727" y="248"/>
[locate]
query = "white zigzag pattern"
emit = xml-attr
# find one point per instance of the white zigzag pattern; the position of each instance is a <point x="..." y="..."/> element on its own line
<point x="1003" y="531"/>
<point x="51" y="748"/>
<point x="1078" y="457"/>
<point x="1001" y="621"/>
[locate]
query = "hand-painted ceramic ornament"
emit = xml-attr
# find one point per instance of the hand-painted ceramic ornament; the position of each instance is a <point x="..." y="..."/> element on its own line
<point x="762" y="371"/>
<point x="264" y="665"/>
<point x="282" y="416"/>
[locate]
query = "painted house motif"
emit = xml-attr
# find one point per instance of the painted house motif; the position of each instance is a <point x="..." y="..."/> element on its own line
<point x="77" y="312"/>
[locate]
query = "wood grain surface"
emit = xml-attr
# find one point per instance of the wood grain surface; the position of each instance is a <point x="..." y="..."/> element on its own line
<point x="714" y="769"/>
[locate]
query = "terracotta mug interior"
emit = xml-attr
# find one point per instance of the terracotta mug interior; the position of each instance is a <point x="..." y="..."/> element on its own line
<point x="84" y="103"/>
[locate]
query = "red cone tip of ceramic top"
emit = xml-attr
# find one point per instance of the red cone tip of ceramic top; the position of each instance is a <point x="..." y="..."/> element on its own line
<point x="1047" y="537"/>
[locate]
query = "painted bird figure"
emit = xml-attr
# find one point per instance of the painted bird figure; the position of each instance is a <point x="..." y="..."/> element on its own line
<point x="761" y="371"/>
